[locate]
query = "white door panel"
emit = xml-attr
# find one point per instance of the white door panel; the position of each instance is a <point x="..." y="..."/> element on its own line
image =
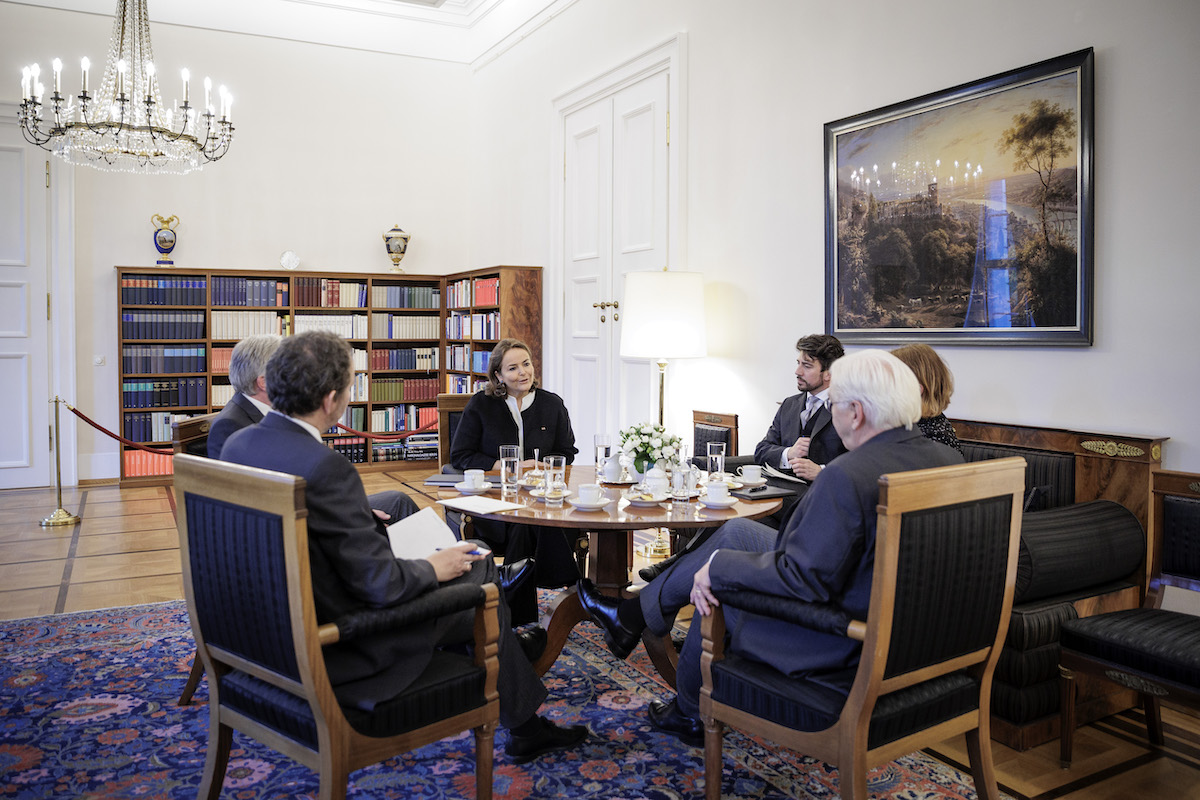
<point x="25" y="457"/>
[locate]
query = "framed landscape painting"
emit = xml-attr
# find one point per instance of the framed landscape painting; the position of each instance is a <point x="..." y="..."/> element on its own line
<point x="965" y="216"/>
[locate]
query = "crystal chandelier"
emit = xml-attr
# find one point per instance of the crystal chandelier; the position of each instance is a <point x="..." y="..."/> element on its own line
<point x="124" y="127"/>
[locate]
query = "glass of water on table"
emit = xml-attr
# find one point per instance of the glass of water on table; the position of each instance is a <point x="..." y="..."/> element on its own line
<point x="716" y="460"/>
<point x="510" y="467"/>
<point x="555" y="481"/>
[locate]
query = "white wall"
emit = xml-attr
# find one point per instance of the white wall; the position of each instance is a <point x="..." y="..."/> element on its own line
<point x="398" y="131"/>
<point x="761" y="84"/>
<point x="464" y="166"/>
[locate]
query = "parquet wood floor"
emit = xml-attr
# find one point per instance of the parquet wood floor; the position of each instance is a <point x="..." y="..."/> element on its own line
<point x="125" y="551"/>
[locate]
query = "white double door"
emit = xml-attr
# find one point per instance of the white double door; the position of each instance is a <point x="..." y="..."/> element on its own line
<point x="615" y="221"/>
<point x="25" y="455"/>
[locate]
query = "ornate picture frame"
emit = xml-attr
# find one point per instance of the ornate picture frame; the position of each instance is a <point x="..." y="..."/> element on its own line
<point x="966" y="216"/>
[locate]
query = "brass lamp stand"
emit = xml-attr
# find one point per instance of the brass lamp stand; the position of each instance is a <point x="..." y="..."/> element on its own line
<point x="60" y="516"/>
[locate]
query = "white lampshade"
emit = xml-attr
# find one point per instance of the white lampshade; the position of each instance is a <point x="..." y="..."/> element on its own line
<point x="662" y="315"/>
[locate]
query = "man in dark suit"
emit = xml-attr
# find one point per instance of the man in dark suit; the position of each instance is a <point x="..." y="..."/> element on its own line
<point x="825" y="553"/>
<point x="247" y="375"/>
<point x="802" y="438"/>
<point x="352" y="564"/>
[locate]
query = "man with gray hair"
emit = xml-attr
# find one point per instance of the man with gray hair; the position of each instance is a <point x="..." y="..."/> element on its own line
<point x="247" y="374"/>
<point x="824" y="553"/>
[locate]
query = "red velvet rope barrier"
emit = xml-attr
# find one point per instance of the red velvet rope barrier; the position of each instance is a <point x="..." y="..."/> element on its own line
<point x="119" y="438"/>
<point x="399" y="437"/>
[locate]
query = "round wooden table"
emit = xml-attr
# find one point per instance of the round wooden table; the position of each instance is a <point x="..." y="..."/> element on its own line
<point x="610" y="534"/>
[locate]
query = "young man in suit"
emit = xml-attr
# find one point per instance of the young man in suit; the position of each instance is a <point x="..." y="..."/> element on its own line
<point x="352" y="564"/>
<point x="824" y="554"/>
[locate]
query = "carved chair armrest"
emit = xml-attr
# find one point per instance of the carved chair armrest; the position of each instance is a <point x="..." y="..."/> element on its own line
<point x="431" y="605"/>
<point x="820" y="617"/>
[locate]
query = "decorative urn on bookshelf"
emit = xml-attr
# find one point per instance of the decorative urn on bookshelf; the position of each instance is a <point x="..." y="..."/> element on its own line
<point x="396" y="242"/>
<point x="164" y="237"/>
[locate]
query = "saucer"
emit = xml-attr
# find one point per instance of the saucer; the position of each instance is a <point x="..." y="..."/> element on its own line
<point x="540" y="494"/>
<point x="641" y="502"/>
<point x="464" y="489"/>
<point x="583" y="506"/>
<point x="748" y="482"/>
<point x="618" y="482"/>
<point x="726" y="503"/>
<point x="530" y="483"/>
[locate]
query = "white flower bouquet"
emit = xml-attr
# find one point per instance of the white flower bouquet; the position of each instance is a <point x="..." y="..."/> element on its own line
<point x="647" y="444"/>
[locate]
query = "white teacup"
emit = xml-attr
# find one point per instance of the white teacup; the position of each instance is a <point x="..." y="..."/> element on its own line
<point x="716" y="491"/>
<point x="473" y="478"/>
<point x="751" y="472"/>
<point x="591" y="493"/>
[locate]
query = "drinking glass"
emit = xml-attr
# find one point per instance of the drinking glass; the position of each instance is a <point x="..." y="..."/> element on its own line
<point x="603" y="450"/>
<point x="510" y="467"/>
<point x="716" y="459"/>
<point x="683" y="480"/>
<point x="555" y="480"/>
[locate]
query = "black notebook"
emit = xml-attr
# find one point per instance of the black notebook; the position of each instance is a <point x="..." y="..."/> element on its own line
<point x="761" y="492"/>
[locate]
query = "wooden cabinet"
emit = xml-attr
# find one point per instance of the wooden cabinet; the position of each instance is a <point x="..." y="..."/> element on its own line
<point x="177" y="330"/>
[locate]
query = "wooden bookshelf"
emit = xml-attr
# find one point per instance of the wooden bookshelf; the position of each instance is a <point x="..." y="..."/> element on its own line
<point x="482" y="307"/>
<point x="177" y="328"/>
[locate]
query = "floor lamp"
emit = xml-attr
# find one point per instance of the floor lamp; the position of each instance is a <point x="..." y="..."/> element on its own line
<point x="662" y="318"/>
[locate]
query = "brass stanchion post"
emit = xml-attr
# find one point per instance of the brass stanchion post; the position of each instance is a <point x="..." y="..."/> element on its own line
<point x="61" y="516"/>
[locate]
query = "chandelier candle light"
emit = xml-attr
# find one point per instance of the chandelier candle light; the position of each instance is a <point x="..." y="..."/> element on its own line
<point x="124" y="127"/>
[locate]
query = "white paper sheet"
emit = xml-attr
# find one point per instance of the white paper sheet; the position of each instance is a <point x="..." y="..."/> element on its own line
<point x="479" y="504"/>
<point x="420" y="534"/>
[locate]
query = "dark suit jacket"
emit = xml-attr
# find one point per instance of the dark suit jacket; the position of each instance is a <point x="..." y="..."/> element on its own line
<point x="825" y="554"/>
<point x="826" y="445"/>
<point x="352" y="563"/>
<point x="487" y="423"/>
<point x="238" y="413"/>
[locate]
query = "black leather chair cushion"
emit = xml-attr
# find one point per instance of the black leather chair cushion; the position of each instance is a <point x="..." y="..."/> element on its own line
<point x="450" y="685"/>
<point x="1165" y="644"/>
<point x="1076" y="546"/>
<point x="808" y="706"/>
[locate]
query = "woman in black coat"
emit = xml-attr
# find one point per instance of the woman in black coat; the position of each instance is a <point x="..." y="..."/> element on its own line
<point x="512" y="410"/>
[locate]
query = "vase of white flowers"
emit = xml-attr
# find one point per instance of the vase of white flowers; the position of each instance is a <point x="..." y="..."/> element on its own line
<point x="648" y="444"/>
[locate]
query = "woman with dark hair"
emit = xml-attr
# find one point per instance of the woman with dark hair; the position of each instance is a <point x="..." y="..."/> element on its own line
<point x="511" y="409"/>
<point x="937" y="384"/>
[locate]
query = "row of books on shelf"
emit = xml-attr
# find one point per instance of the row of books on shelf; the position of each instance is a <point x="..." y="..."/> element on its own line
<point x="353" y="326"/>
<point x="473" y="292"/>
<point x="353" y="417"/>
<point x="230" y="291"/>
<point x="418" y="447"/>
<point x="147" y="359"/>
<point x="164" y="393"/>
<point x="163" y="290"/>
<point x="330" y="293"/>
<point x="162" y="325"/>
<point x="406" y="296"/>
<point x="240" y="324"/>
<point x="352" y="447"/>
<point x="481" y="325"/>
<point x="403" y="326"/>
<point x="398" y="419"/>
<point x="404" y="358"/>
<point x="404" y="390"/>
<point x="360" y="388"/>
<point x="464" y="384"/>
<point x="140" y="463"/>
<point x="148" y="426"/>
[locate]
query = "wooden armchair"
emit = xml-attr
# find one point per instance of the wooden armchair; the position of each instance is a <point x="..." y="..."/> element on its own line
<point x="945" y="566"/>
<point x="1155" y="649"/>
<point x="266" y="669"/>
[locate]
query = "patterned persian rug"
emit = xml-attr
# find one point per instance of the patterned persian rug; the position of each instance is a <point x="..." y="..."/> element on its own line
<point x="87" y="709"/>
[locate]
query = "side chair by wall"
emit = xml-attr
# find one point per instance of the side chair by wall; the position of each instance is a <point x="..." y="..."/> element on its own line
<point x="1155" y="649"/>
<point x="244" y="544"/>
<point x="945" y="567"/>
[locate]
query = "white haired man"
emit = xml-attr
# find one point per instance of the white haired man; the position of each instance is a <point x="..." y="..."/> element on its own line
<point x="824" y="554"/>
